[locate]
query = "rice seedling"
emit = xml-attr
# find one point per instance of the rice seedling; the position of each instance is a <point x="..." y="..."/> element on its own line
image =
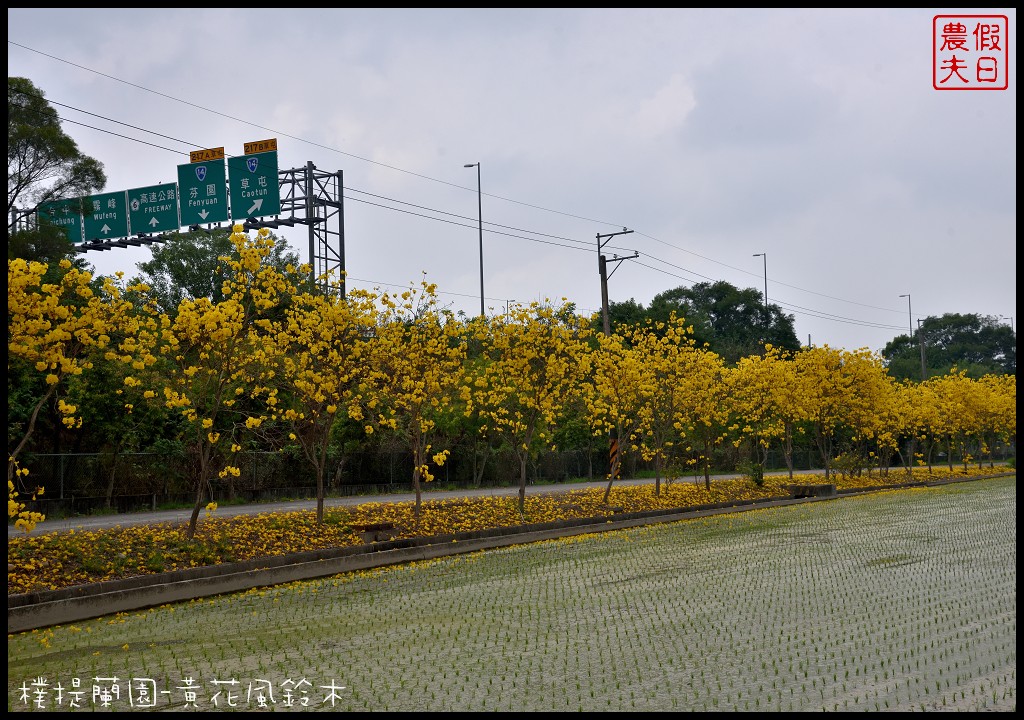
<point x="895" y="601"/>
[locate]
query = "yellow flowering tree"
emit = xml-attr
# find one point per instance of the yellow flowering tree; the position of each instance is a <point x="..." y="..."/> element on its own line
<point x="57" y="330"/>
<point x="908" y="413"/>
<point x="955" y="417"/>
<point x="999" y="415"/>
<point x="535" y="359"/>
<point x="790" y="402"/>
<point x="866" y="406"/>
<point x="636" y="377"/>
<point x="762" y="394"/>
<point x="414" y="369"/>
<point x="213" y="349"/>
<point x="703" y="419"/>
<point x="466" y="415"/>
<point x="825" y="391"/>
<point x="927" y="420"/>
<point x="320" y="357"/>
<point x="621" y="388"/>
<point x="842" y="389"/>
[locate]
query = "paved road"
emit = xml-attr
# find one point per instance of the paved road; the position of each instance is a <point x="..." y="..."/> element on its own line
<point x="94" y="522"/>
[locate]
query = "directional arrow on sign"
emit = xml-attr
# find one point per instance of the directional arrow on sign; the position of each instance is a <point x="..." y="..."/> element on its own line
<point x="255" y="206"/>
<point x="203" y="213"/>
<point x="154" y="222"/>
<point x="105" y="229"/>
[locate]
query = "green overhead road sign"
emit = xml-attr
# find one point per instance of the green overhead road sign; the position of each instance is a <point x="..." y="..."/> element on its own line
<point x="153" y="209"/>
<point x="255" y="191"/>
<point x="106" y="216"/>
<point x="203" y="192"/>
<point x="67" y="214"/>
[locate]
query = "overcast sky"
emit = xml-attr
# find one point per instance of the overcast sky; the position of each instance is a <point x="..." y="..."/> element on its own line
<point x="813" y="136"/>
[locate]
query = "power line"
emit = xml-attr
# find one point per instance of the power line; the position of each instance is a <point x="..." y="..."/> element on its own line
<point x="299" y="139"/>
<point x="398" y="169"/>
<point x="801" y="311"/>
<point x="452" y="222"/>
<point x="821" y="315"/>
<point x="586" y="245"/>
<point x="777" y="282"/>
<point x="465" y="217"/>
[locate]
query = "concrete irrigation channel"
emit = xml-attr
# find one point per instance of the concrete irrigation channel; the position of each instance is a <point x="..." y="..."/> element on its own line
<point x="897" y="600"/>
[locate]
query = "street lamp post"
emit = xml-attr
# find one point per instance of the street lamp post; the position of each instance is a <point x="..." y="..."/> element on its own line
<point x="920" y="336"/>
<point x="910" y="317"/>
<point x="924" y="365"/>
<point x="480" y="217"/>
<point x="1010" y="318"/>
<point x="764" y="256"/>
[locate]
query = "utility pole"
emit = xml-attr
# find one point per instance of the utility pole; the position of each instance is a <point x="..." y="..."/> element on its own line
<point x="480" y="219"/>
<point x="602" y="269"/>
<point x="920" y="339"/>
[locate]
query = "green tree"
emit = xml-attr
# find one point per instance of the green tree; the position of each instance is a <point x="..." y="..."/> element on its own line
<point x="116" y="419"/>
<point x="733" y="322"/>
<point x="979" y="345"/>
<point x="628" y="313"/>
<point x="43" y="164"/>
<point x="190" y="266"/>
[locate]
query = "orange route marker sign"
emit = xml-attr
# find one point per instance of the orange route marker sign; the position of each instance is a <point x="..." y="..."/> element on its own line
<point x="204" y="155"/>
<point x="259" y="146"/>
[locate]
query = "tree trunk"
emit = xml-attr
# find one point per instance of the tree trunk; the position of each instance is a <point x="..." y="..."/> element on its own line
<point x="12" y="457"/>
<point x="113" y="476"/>
<point x="523" y="457"/>
<point x="707" y="465"/>
<point x="336" y="480"/>
<point x="613" y="471"/>
<point x="416" y="488"/>
<point x="910" y="459"/>
<point x="788" y="448"/>
<point x="202" y="483"/>
<point x="416" y="463"/>
<point x="825" y="448"/>
<point x="478" y="470"/>
<point x="615" y="466"/>
<point x="321" y="469"/>
<point x="194" y="519"/>
<point x="320" y="495"/>
<point x="590" y="458"/>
